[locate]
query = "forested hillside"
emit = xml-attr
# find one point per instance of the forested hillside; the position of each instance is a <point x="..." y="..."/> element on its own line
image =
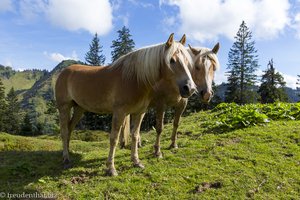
<point x="36" y="94"/>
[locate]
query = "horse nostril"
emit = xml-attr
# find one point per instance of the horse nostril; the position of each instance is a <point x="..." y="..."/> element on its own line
<point x="202" y="93"/>
<point x="186" y="88"/>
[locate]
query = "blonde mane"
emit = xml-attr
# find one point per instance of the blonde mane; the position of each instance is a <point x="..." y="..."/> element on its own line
<point x="206" y="52"/>
<point x="145" y="64"/>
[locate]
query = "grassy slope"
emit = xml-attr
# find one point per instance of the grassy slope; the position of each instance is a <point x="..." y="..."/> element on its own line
<point x="21" y="80"/>
<point x="41" y="92"/>
<point x="259" y="162"/>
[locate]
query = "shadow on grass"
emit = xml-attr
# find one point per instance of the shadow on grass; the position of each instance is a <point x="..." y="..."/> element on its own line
<point x="20" y="168"/>
<point x="218" y="130"/>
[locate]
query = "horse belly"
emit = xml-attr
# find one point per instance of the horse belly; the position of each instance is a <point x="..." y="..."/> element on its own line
<point x="97" y="98"/>
<point x="97" y="102"/>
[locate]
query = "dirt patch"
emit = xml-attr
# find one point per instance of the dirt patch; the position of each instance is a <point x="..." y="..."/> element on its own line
<point x="288" y="155"/>
<point x="82" y="178"/>
<point x="79" y="179"/>
<point x="205" y="186"/>
<point x="227" y="142"/>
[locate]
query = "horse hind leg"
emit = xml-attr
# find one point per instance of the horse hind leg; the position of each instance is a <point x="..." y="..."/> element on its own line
<point x="125" y="132"/>
<point x="77" y="114"/>
<point x="64" y="119"/>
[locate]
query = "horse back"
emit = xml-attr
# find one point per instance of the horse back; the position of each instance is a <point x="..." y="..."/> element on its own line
<point x="98" y="89"/>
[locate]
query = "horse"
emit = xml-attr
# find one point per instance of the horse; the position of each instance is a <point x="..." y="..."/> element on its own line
<point x="205" y="64"/>
<point x="122" y="88"/>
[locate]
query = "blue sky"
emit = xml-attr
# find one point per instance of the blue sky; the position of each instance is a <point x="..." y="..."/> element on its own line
<point x="40" y="33"/>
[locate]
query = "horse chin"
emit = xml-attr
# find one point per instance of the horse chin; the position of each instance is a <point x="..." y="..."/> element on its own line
<point x="204" y="100"/>
<point x="185" y="94"/>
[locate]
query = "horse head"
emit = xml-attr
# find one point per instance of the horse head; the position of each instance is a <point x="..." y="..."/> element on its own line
<point x="179" y="63"/>
<point x="205" y="64"/>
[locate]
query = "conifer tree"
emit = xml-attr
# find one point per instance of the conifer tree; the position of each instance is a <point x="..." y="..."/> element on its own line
<point x="12" y="112"/>
<point x="94" y="56"/>
<point x="26" y="128"/>
<point x="3" y="108"/>
<point x="272" y="86"/>
<point x="242" y="64"/>
<point x="123" y="44"/>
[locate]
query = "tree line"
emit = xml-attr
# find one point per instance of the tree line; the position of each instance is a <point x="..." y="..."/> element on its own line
<point x="10" y="119"/>
<point x="242" y="65"/>
<point x="241" y="86"/>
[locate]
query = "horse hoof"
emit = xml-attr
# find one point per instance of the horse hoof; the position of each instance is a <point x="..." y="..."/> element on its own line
<point x="67" y="164"/>
<point x="122" y="145"/>
<point x="158" y="155"/>
<point x="111" y="172"/>
<point x="173" y="146"/>
<point x="139" y="165"/>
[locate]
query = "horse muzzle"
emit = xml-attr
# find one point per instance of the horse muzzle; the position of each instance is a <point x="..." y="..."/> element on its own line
<point x="206" y="95"/>
<point x="187" y="89"/>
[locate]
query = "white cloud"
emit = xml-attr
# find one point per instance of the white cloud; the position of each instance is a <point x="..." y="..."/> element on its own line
<point x="220" y="77"/>
<point x="124" y="18"/>
<point x="208" y="19"/>
<point x="93" y="15"/>
<point x="296" y="24"/>
<point x="30" y="9"/>
<point x="291" y="81"/>
<point x="116" y="4"/>
<point x="6" y="5"/>
<point x="141" y="3"/>
<point x="58" y="57"/>
<point x="8" y="63"/>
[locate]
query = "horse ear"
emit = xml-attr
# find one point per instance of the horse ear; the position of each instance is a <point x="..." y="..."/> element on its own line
<point x="170" y="40"/>
<point x="194" y="51"/>
<point x="216" y="48"/>
<point x="183" y="40"/>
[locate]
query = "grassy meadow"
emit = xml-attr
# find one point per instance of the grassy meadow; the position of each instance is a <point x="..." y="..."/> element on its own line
<point x="256" y="162"/>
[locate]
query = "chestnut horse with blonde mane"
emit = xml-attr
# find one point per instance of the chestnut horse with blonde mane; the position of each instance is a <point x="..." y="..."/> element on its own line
<point x="205" y="64"/>
<point x="125" y="87"/>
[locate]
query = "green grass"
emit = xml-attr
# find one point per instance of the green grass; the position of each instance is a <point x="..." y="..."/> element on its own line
<point x="21" y="80"/>
<point x="260" y="162"/>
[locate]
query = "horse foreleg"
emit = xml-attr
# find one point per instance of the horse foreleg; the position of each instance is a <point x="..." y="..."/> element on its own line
<point x="125" y="132"/>
<point x="159" y="127"/>
<point x="136" y="121"/>
<point x="64" y="119"/>
<point x="117" y="121"/>
<point x="178" y="112"/>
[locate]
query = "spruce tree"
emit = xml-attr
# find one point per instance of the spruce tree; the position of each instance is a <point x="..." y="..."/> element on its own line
<point x="3" y="108"/>
<point x="12" y="112"/>
<point x="95" y="56"/>
<point x="26" y="128"/>
<point x="123" y="45"/>
<point x="242" y="64"/>
<point x="272" y="86"/>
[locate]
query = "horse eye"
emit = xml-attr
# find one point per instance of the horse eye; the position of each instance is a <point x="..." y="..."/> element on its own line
<point x="172" y="61"/>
